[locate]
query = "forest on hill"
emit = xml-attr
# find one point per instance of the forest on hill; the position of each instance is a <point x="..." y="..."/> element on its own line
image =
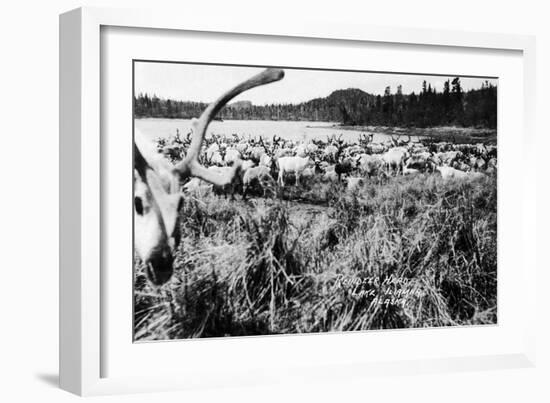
<point x="429" y="108"/>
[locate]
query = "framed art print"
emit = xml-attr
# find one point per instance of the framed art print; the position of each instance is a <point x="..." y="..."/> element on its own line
<point x="237" y="199"/>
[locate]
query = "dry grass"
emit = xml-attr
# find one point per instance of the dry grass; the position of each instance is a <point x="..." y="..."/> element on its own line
<point x="410" y="252"/>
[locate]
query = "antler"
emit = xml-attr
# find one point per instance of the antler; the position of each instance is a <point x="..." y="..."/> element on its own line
<point x="262" y="144"/>
<point x="147" y="160"/>
<point x="140" y="163"/>
<point x="190" y="166"/>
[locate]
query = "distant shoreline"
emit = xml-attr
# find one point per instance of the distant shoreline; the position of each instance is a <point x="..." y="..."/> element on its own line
<point x="243" y="120"/>
<point x="335" y="125"/>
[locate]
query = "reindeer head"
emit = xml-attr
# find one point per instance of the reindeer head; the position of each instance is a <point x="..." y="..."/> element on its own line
<point x="156" y="206"/>
<point x="397" y="142"/>
<point x="157" y="200"/>
<point x="276" y="142"/>
<point x="318" y="168"/>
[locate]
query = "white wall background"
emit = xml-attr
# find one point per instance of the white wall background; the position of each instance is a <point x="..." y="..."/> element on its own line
<point x="29" y="201"/>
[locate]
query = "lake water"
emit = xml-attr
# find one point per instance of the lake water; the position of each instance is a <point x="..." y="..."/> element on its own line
<point x="155" y="128"/>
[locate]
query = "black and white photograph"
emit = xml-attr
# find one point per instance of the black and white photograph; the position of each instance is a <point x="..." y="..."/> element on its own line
<point x="275" y="200"/>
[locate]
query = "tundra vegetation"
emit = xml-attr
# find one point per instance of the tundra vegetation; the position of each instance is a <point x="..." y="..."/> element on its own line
<point x="398" y="234"/>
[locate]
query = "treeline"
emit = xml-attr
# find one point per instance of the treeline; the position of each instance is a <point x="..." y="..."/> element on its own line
<point x="452" y="106"/>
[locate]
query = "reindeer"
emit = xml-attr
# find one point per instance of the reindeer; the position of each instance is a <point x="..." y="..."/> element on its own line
<point x="365" y="140"/>
<point x="370" y="164"/>
<point x="258" y="150"/>
<point x="157" y="200"/>
<point x="213" y="149"/>
<point x="400" y="143"/>
<point x="452" y="173"/>
<point x="260" y="175"/>
<point x="346" y="166"/>
<point x="375" y="148"/>
<point x="294" y="165"/>
<point x="330" y="153"/>
<point x="231" y="155"/>
<point x="276" y="142"/>
<point x="395" y="158"/>
<point x="300" y="151"/>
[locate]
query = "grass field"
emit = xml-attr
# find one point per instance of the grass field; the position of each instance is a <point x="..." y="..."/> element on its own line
<point x="406" y="252"/>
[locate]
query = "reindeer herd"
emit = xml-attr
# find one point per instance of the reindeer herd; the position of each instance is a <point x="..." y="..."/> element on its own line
<point x="264" y="162"/>
<point x="180" y="166"/>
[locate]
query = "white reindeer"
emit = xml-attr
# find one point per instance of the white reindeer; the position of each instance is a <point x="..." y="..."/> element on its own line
<point x="330" y="152"/>
<point x="447" y="158"/>
<point x="312" y="148"/>
<point x="212" y="150"/>
<point x="300" y="150"/>
<point x="265" y="160"/>
<point x="452" y="173"/>
<point x="395" y="158"/>
<point x="242" y="147"/>
<point x="157" y="200"/>
<point x="259" y="174"/>
<point x="294" y="165"/>
<point x="232" y="155"/>
<point x="283" y="152"/>
<point x="410" y="171"/>
<point x="370" y="164"/>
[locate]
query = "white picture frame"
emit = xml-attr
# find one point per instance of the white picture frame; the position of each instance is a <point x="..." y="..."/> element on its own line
<point x="83" y="307"/>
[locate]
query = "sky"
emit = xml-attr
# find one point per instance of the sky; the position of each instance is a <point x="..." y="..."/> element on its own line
<point x="204" y="83"/>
